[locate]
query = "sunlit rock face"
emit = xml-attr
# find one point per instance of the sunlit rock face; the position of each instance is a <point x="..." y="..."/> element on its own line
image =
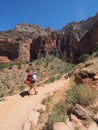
<point x="27" y="42"/>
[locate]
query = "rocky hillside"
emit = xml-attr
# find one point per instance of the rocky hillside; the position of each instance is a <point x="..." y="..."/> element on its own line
<point x="75" y="107"/>
<point x="68" y="104"/>
<point x="28" y="42"/>
<point x="12" y="75"/>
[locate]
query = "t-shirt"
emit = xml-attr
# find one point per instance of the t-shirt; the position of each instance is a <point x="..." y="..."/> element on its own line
<point x="34" y="77"/>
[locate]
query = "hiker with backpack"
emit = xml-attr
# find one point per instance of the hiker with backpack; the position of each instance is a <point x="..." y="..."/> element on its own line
<point x="31" y="79"/>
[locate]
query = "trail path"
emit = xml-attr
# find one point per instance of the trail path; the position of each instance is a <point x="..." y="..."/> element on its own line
<point x="15" y="109"/>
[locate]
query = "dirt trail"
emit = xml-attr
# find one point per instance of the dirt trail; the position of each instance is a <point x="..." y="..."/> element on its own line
<point x="15" y="109"/>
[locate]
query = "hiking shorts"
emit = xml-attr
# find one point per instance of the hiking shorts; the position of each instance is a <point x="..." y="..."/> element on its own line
<point x="32" y="84"/>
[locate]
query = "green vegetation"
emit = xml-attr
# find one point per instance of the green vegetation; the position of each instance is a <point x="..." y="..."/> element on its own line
<point x="19" y="65"/>
<point x="50" y="80"/>
<point x="80" y="94"/>
<point x="57" y="115"/>
<point x="46" y="101"/>
<point x="51" y="67"/>
<point x="1" y="95"/>
<point x="28" y="69"/>
<point x="48" y="69"/>
<point x="11" y="92"/>
<point x="22" y="88"/>
<point x="69" y="66"/>
<point x="84" y="57"/>
<point x="77" y="128"/>
<point x="11" y="64"/>
<point x="53" y="78"/>
<point x="6" y="65"/>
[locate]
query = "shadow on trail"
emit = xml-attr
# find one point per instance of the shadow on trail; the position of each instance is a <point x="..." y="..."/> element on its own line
<point x="24" y="93"/>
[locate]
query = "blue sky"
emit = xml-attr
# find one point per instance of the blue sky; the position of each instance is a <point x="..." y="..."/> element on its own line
<point x="46" y="13"/>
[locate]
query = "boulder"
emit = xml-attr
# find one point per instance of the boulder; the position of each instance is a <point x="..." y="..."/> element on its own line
<point x="60" y="126"/>
<point x="33" y="117"/>
<point x="27" y="125"/>
<point x="93" y="126"/>
<point x="76" y="123"/>
<point x="81" y="112"/>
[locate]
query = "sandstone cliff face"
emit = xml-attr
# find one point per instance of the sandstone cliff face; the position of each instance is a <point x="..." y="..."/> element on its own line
<point x="90" y="41"/>
<point x="24" y="50"/>
<point x="69" y="46"/>
<point x="62" y="46"/>
<point x="4" y="59"/>
<point x="32" y="29"/>
<point x="28" y="42"/>
<point x="8" y="48"/>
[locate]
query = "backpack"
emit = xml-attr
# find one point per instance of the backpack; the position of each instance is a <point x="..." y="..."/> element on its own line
<point x="31" y="77"/>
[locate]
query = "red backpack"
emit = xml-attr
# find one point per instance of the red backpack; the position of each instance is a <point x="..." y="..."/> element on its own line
<point x="28" y="79"/>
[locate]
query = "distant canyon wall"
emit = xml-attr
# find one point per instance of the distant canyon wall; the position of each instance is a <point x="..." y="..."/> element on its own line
<point x="68" y="44"/>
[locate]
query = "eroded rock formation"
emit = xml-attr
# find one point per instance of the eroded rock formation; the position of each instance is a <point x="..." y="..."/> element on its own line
<point x="28" y="42"/>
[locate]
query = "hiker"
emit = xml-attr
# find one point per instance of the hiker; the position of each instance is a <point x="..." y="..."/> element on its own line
<point x="31" y="79"/>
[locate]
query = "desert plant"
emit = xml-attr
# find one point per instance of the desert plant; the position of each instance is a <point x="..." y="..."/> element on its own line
<point x="69" y="66"/>
<point x="50" y="80"/>
<point x="19" y="65"/>
<point x="30" y="64"/>
<point x="6" y="65"/>
<point x="28" y="69"/>
<point x="58" y="76"/>
<point x="22" y="88"/>
<point x="51" y="67"/>
<point x="11" y="92"/>
<point x="58" y="114"/>
<point x="46" y="101"/>
<point x="81" y="94"/>
<point x="84" y="57"/>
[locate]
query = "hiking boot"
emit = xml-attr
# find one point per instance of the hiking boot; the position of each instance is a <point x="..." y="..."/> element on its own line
<point x="30" y="94"/>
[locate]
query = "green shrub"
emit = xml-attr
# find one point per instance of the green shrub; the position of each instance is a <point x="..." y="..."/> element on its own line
<point x="30" y="64"/>
<point x="28" y="69"/>
<point x="11" y="92"/>
<point x="6" y="65"/>
<point x="22" y="88"/>
<point x="50" y="80"/>
<point x="69" y="66"/>
<point x="1" y="95"/>
<point x="51" y="67"/>
<point x="46" y="101"/>
<point x="58" y="114"/>
<point x="58" y="76"/>
<point x="81" y="94"/>
<point x="19" y="65"/>
<point x="84" y="57"/>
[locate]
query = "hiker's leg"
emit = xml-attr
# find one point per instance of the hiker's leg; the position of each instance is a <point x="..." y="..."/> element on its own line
<point x="31" y="87"/>
<point x="35" y="90"/>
